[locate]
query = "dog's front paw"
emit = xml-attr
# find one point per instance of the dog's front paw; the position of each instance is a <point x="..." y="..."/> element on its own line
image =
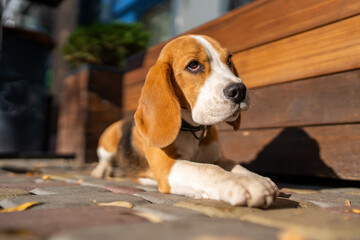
<point x="252" y="191"/>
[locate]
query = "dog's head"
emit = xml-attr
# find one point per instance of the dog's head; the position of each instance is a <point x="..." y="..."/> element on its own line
<point x="192" y="72"/>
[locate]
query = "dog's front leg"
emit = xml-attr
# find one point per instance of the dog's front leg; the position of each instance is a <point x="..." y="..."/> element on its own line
<point x="200" y="180"/>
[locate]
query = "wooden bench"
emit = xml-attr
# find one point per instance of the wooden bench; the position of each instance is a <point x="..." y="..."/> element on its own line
<point x="301" y="60"/>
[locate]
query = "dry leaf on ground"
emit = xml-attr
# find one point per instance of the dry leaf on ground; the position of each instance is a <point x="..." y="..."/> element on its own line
<point x="19" y="208"/>
<point x="356" y="210"/>
<point x="290" y="234"/>
<point x="347" y="203"/>
<point x="116" y="204"/>
<point x="152" y="218"/>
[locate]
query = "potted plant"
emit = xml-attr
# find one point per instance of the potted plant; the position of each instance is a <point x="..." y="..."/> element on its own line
<point x="91" y="96"/>
<point x="107" y="44"/>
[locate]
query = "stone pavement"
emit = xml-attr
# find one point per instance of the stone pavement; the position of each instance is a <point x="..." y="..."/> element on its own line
<point x="65" y="203"/>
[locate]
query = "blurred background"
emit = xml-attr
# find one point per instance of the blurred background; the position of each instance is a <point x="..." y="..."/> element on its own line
<point x="32" y="65"/>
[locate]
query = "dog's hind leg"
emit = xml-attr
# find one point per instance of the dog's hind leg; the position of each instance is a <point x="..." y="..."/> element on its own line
<point x="107" y="150"/>
<point x="105" y="166"/>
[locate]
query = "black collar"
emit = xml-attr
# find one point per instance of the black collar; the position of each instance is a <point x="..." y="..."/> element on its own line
<point x="185" y="126"/>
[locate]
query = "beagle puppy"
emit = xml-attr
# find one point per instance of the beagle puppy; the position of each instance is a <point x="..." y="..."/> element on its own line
<point x="172" y="137"/>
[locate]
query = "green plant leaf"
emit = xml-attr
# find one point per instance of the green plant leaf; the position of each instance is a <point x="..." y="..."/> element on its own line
<point x="108" y="44"/>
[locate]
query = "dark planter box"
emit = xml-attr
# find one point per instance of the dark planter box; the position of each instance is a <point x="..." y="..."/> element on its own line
<point x="21" y="132"/>
<point x="22" y="117"/>
<point x="23" y="98"/>
<point x="90" y="101"/>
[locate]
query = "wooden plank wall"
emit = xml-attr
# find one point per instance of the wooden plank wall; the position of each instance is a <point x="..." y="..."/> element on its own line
<point x="301" y="60"/>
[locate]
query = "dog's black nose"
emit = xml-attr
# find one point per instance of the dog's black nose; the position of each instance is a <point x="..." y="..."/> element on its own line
<point x="236" y="92"/>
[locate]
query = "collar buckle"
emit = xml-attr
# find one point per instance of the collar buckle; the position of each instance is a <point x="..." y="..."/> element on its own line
<point x="185" y="126"/>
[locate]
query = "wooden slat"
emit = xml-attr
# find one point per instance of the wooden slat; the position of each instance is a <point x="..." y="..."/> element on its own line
<point x="325" y="50"/>
<point x="263" y="21"/>
<point x="330" y="99"/>
<point x="268" y="20"/>
<point x="135" y="76"/>
<point x="324" y="151"/>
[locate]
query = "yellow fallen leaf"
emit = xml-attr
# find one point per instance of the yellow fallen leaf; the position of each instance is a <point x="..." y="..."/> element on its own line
<point x="290" y="234"/>
<point x="356" y="211"/>
<point x="53" y="177"/>
<point x="118" y="179"/>
<point x="152" y="218"/>
<point x="19" y="208"/>
<point x="347" y="203"/>
<point x="116" y="204"/>
<point x="46" y="177"/>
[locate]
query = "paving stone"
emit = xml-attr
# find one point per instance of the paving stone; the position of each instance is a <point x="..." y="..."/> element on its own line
<point x="52" y="163"/>
<point x="17" y="178"/>
<point x="47" y="222"/>
<point x="65" y="190"/>
<point x="213" y="208"/>
<point x="169" y="213"/>
<point x="221" y="209"/>
<point x="104" y="182"/>
<point x="20" y="169"/>
<point x="204" y="229"/>
<point x="282" y="185"/>
<point x="71" y="200"/>
<point x="160" y="198"/>
<point x="345" y="210"/>
<point x="351" y="191"/>
<point x="297" y="213"/>
<point x="123" y="189"/>
<point x="309" y="221"/>
<point x="94" y="183"/>
<point x="18" y="234"/>
<point x="68" y="176"/>
<point x="12" y="192"/>
<point x="101" y="182"/>
<point x="327" y="199"/>
<point x="148" y="188"/>
<point x="37" y="184"/>
<point x="122" y="182"/>
<point x="3" y="172"/>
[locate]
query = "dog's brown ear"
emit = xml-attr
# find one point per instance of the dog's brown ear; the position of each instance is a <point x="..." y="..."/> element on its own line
<point x="158" y="115"/>
<point x="236" y="123"/>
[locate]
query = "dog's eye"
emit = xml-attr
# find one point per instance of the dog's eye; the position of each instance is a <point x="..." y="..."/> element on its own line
<point x="194" y="66"/>
<point x="229" y="62"/>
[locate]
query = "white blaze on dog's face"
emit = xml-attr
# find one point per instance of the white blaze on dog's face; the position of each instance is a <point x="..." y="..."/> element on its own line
<point x="207" y="79"/>
<point x="213" y="105"/>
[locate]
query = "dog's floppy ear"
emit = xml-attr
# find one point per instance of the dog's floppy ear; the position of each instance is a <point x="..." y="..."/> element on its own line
<point x="158" y="115"/>
<point x="236" y="123"/>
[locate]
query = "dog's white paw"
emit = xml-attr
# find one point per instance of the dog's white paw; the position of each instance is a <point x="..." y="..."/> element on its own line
<point x="252" y="191"/>
<point x="103" y="169"/>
